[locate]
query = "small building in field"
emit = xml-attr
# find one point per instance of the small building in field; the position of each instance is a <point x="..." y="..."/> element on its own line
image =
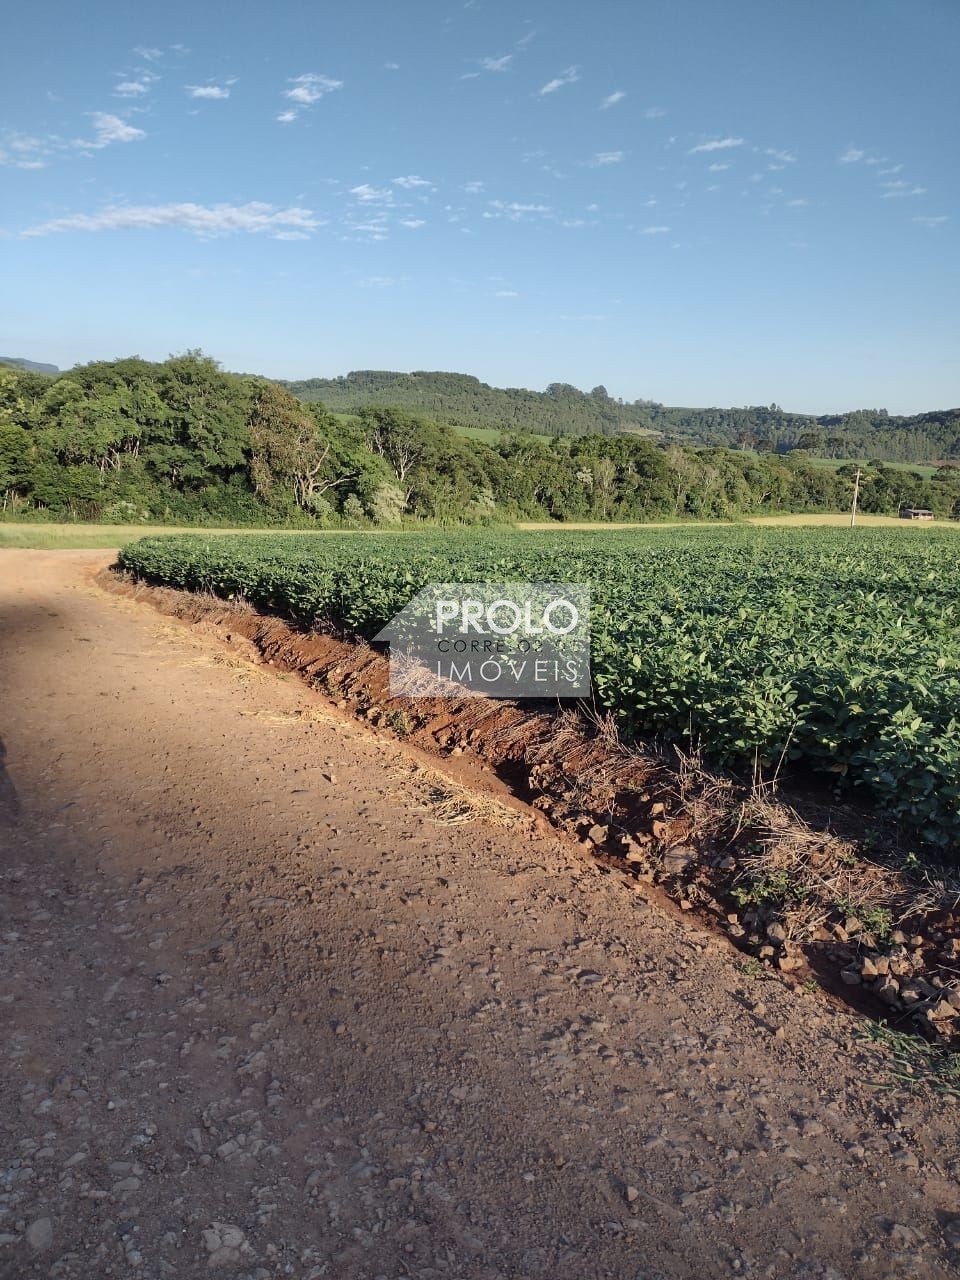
<point x="915" y="513"/>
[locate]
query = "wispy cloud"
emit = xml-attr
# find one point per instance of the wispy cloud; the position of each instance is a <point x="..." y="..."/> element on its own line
<point x="654" y="113"/>
<point x="902" y="191"/>
<point x="306" y="90"/>
<point x="21" y="162"/>
<point x="612" y="99"/>
<point x="411" y="181"/>
<point x="506" y="293"/>
<point x="212" y="92"/>
<point x="148" y="54"/>
<point x="25" y="151"/>
<point x="569" y="76"/>
<point x="516" y="211"/>
<point x="716" y="144"/>
<point x="852" y="155"/>
<point x="109" y="129"/>
<point x="133" y="88"/>
<point x="717" y="168"/>
<point x="782" y="156"/>
<point x="412" y="223"/>
<point x="931" y="220"/>
<point x="198" y="219"/>
<point x="372" y="224"/>
<point x="474" y="188"/>
<point x="655" y="231"/>
<point x="498" y="63"/>
<point x="607" y="157"/>
<point x="367" y="194"/>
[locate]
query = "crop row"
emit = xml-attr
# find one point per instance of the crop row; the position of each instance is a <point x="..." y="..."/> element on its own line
<point x="836" y="650"/>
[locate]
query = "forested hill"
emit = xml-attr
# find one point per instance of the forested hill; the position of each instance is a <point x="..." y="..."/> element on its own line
<point x="17" y="362"/>
<point x="463" y="401"/>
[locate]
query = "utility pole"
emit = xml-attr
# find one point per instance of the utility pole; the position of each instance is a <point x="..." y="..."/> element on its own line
<point x="856" y="498"/>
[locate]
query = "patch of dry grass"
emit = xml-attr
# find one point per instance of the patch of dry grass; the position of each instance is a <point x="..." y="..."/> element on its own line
<point x="451" y="804"/>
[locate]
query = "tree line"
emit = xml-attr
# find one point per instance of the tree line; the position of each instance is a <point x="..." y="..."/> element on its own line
<point x="184" y="441"/>
<point x="463" y="401"/>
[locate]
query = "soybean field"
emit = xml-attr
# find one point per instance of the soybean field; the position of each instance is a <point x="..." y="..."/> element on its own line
<point x="835" y="651"/>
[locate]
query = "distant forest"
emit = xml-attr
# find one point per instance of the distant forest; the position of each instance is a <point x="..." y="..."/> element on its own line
<point x="463" y="401"/>
<point x="185" y="441"/>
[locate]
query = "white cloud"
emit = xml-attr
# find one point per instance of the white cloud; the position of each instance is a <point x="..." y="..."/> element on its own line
<point x="654" y="113"/>
<point x="496" y="64"/>
<point x="21" y="162"/>
<point x="612" y="99"/>
<point x="411" y="181"/>
<point x="904" y="191"/>
<point x="203" y="220"/>
<point x="852" y="155"/>
<point x="308" y="89"/>
<point x="24" y="151"/>
<point x="716" y="144"/>
<point x="717" y="168"/>
<point x="797" y="204"/>
<point x="655" y="231"/>
<point x="132" y="88"/>
<point x="506" y="293"/>
<point x="373" y="228"/>
<point x="607" y="157"/>
<point x="412" y="223"/>
<point x="569" y="76"/>
<point x="884" y="173"/>
<point x="109" y="129"/>
<point x="515" y="211"/>
<point x="377" y="282"/>
<point x="931" y="220"/>
<point x="783" y="156"/>
<point x="150" y="55"/>
<point x="214" y="92"/>
<point x="473" y="188"/>
<point x="367" y="194"/>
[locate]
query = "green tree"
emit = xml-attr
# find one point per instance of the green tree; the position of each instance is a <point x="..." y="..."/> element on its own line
<point x="293" y="449"/>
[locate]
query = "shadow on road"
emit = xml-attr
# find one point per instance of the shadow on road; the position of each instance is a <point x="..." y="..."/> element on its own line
<point x="9" y="800"/>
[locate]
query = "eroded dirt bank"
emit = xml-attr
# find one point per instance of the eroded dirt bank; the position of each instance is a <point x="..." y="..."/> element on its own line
<point x="267" y="1007"/>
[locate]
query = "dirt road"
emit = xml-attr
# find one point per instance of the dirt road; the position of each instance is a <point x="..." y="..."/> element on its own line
<point x="264" y="1010"/>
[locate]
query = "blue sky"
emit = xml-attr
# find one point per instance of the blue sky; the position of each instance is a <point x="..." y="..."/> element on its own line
<point x="695" y="201"/>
